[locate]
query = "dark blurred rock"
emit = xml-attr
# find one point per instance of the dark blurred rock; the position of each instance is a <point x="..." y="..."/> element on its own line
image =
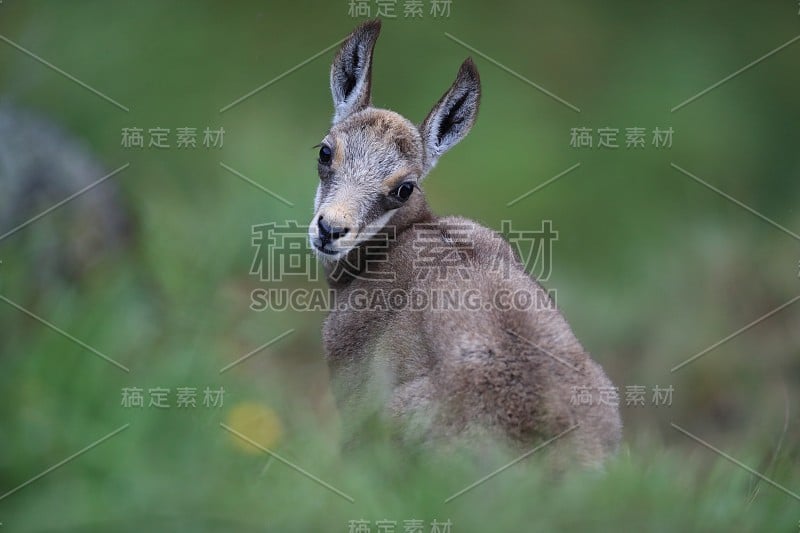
<point x="40" y="166"/>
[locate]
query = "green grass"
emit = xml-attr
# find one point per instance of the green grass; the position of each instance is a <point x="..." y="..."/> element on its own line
<point x="650" y="266"/>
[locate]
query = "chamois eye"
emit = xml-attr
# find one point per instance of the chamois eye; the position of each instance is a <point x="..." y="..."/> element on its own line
<point x="325" y="154"/>
<point x="404" y="190"/>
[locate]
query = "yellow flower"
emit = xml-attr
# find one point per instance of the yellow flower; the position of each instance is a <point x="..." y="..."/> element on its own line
<point x="257" y="423"/>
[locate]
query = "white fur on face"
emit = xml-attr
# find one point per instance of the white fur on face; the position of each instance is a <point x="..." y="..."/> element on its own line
<point x="317" y="198"/>
<point x="369" y="231"/>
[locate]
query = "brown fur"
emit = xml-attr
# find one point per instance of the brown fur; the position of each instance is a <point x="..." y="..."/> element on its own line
<point x="441" y="375"/>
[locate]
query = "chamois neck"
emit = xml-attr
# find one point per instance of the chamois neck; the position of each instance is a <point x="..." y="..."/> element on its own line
<point x="416" y="211"/>
<point x="340" y="273"/>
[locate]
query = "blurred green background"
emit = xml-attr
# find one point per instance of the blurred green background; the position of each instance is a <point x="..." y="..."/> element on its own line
<point x="650" y="268"/>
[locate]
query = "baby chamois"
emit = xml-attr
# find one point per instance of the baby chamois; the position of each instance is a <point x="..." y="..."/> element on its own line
<point x="417" y="335"/>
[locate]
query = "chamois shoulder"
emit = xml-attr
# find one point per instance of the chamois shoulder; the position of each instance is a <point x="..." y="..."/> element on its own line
<point x="481" y="246"/>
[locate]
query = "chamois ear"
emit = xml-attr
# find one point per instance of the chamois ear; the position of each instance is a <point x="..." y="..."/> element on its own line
<point x="453" y="115"/>
<point x="351" y="72"/>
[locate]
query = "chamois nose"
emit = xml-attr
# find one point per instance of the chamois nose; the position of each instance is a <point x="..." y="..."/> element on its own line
<point x="328" y="233"/>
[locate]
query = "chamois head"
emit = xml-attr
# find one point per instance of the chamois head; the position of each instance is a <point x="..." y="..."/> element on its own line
<point x="372" y="159"/>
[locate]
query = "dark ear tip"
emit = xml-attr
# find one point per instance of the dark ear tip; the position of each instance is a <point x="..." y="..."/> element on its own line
<point x="469" y="71"/>
<point x="370" y="28"/>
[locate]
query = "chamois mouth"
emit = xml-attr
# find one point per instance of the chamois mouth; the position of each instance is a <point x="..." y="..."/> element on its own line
<point x="324" y="250"/>
<point x="338" y="249"/>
